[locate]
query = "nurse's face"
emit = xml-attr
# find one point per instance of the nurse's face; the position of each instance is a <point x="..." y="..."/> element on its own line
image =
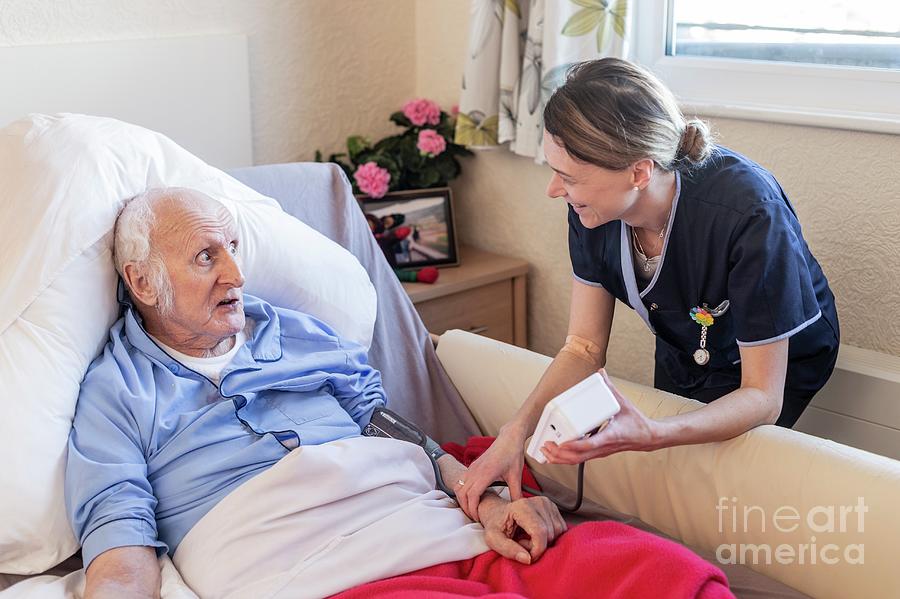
<point x="597" y="195"/>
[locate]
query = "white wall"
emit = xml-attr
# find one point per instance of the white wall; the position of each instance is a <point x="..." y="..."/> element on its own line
<point x="320" y="70"/>
<point x="844" y="184"/>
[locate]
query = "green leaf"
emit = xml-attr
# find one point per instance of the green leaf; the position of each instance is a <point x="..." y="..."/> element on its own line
<point x="392" y="144"/>
<point x="447" y="166"/>
<point x="430" y="177"/>
<point x="601" y="31"/>
<point x="620" y="15"/>
<point x="583" y="22"/>
<point x="454" y="149"/>
<point x="318" y="157"/>
<point x="356" y="145"/>
<point x="446" y="127"/>
<point x="400" y="119"/>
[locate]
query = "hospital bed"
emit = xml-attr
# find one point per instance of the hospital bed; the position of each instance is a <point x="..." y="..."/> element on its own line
<point x="471" y="385"/>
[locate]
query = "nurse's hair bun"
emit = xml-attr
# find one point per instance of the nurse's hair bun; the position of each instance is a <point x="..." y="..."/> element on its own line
<point x="696" y="143"/>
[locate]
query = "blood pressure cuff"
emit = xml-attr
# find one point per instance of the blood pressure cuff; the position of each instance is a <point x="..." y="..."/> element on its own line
<point x="385" y="423"/>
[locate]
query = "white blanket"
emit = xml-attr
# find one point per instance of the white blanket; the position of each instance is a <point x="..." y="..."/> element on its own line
<point x="324" y="519"/>
<point x="71" y="586"/>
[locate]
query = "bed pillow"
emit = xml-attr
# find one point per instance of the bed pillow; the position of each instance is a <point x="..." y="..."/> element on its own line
<point x="63" y="179"/>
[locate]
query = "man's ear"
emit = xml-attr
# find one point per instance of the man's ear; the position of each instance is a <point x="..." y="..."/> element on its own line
<point x="642" y="172"/>
<point x="139" y="284"/>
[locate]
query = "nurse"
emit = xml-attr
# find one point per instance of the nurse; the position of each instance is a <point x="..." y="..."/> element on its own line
<point x="703" y="244"/>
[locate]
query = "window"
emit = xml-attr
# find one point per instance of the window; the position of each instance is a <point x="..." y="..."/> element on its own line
<point x="822" y="62"/>
<point x="863" y="33"/>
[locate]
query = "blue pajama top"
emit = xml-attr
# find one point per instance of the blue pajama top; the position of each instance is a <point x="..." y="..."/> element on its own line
<point x="732" y="235"/>
<point x="155" y="445"/>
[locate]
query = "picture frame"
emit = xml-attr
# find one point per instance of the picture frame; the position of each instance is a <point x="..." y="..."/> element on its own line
<point x="427" y="216"/>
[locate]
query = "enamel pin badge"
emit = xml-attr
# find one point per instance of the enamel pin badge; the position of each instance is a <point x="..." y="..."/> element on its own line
<point x="706" y="317"/>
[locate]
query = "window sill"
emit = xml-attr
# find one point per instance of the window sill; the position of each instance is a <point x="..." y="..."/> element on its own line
<point x="853" y="121"/>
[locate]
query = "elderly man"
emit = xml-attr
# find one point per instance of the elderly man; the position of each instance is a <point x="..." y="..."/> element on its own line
<point x="207" y="403"/>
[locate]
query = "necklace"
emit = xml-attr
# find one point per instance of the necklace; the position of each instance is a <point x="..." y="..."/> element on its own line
<point x="661" y="235"/>
<point x="640" y="249"/>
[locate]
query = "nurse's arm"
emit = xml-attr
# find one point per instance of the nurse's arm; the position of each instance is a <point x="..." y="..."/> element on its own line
<point x="590" y="320"/>
<point x="757" y="401"/>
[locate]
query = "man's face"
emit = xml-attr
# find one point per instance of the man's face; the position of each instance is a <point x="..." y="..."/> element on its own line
<point x="199" y="245"/>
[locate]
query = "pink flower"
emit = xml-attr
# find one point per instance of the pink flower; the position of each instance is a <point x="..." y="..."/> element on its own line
<point x="421" y="111"/>
<point x="454" y="110"/>
<point x="431" y="142"/>
<point x="372" y="180"/>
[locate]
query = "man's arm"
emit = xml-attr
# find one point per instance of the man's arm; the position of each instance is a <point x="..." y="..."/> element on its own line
<point x="356" y="385"/>
<point x="109" y="499"/>
<point x="123" y="573"/>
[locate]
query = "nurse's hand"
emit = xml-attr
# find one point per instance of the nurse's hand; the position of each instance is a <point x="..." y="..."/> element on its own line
<point x="502" y="460"/>
<point x="629" y="430"/>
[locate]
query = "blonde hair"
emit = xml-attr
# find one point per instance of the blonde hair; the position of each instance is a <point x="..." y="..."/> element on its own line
<point x="612" y="113"/>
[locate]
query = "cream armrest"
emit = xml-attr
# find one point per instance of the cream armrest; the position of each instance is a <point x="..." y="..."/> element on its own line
<point x="688" y="491"/>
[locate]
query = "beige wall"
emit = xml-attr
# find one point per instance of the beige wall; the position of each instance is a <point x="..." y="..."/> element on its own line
<point x="844" y="184"/>
<point x="320" y="70"/>
<point x="325" y="69"/>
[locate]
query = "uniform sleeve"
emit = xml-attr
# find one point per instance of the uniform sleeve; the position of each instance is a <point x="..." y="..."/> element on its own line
<point x="584" y="267"/>
<point x="769" y="284"/>
<point x="109" y="500"/>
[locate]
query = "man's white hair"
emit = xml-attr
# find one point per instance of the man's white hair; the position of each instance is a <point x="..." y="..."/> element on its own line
<point x="132" y="243"/>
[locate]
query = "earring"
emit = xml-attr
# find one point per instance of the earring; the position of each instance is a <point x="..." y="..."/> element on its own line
<point x="636" y="188"/>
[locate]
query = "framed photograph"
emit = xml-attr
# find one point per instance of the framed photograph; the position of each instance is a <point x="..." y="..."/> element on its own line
<point x="414" y="228"/>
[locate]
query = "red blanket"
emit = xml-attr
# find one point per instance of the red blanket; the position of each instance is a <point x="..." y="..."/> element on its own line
<point x="596" y="559"/>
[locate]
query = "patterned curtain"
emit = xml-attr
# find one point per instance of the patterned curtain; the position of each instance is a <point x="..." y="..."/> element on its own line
<point x="518" y="54"/>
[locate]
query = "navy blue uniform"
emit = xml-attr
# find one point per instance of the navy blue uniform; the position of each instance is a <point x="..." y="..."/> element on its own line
<point x="732" y="235"/>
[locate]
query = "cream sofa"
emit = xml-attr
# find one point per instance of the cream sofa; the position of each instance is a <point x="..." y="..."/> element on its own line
<point x="786" y="483"/>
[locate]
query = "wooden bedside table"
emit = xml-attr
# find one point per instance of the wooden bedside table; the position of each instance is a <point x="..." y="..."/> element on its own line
<point x="485" y="294"/>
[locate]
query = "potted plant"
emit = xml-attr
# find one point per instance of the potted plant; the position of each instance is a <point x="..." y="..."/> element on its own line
<point x="422" y="156"/>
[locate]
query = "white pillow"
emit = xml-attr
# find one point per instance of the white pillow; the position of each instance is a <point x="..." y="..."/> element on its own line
<point x="63" y="179"/>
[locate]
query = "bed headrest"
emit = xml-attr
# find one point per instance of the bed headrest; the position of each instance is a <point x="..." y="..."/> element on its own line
<point x="63" y="180"/>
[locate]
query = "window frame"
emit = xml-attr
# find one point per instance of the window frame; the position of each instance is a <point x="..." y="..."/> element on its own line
<point x="832" y="96"/>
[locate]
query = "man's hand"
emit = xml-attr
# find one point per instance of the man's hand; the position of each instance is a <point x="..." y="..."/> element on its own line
<point x="505" y="522"/>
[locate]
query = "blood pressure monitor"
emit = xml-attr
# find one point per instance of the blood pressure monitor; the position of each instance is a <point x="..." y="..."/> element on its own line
<point x="572" y="414"/>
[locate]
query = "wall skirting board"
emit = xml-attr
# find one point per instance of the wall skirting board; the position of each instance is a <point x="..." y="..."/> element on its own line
<point x="860" y="404"/>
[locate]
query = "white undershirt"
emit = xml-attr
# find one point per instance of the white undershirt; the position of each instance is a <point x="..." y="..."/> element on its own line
<point x="211" y="368"/>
